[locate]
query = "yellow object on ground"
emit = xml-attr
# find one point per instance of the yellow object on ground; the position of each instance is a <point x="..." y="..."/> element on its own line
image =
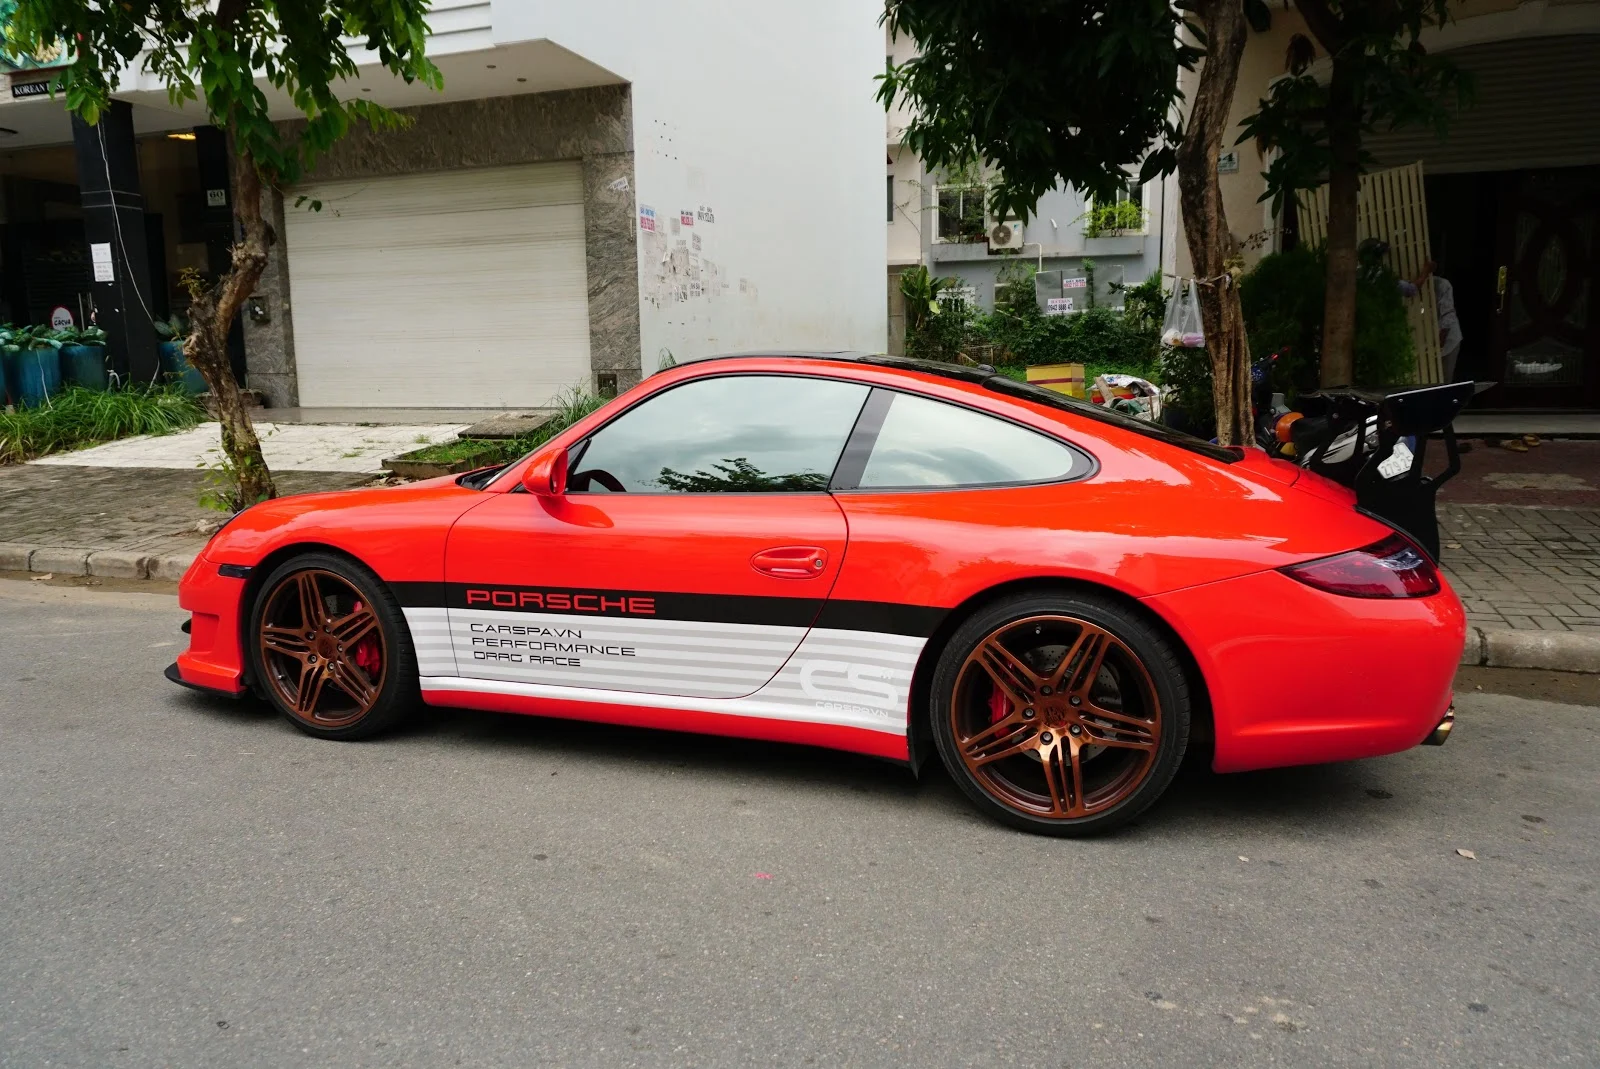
<point x="1062" y="378"/>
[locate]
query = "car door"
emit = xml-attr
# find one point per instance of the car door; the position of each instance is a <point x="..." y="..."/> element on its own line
<point x="694" y="547"/>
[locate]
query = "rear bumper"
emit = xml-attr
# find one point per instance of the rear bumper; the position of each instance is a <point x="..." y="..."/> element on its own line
<point x="213" y="661"/>
<point x="1297" y="676"/>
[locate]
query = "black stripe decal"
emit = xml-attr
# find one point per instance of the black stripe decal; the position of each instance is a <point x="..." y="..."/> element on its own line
<point x="886" y="617"/>
<point x="915" y="620"/>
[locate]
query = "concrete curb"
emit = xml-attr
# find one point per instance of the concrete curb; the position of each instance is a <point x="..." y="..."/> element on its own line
<point x="1558" y="651"/>
<point x="101" y="563"/>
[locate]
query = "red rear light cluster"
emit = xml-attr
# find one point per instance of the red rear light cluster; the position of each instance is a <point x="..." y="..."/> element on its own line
<point x="1392" y="568"/>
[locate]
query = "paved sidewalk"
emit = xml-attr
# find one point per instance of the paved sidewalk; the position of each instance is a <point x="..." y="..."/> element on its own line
<point x="1524" y="568"/>
<point x="286" y="446"/>
<point x="125" y="523"/>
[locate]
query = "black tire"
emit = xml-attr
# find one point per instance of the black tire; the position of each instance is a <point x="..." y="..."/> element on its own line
<point x="394" y="694"/>
<point x="1007" y="646"/>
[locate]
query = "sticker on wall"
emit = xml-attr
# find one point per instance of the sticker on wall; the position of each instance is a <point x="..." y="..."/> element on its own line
<point x="673" y="224"/>
<point x="647" y="218"/>
<point x="61" y="318"/>
<point x="1228" y="162"/>
<point x="696" y="243"/>
<point x="704" y="214"/>
<point x="687" y="216"/>
<point x="1075" y="283"/>
<point x="620" y="185"/>
<point x="100" y="254"/>
<point x="1058" y="306"/>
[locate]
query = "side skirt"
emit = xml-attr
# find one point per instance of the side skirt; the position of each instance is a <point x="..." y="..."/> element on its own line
<point x="663" y="713"/>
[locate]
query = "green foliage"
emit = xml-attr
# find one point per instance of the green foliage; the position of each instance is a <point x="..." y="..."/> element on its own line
<point x="738" y="475"/>
<point x="921" y="292"/>
<point x="77" y="417"/>
<point x="1282" y="299"/>
<point x="90" y="335"/>
<point x="212" y="53"/>
<point x="945" y="332"/>
<point x="1073" y="91"/>
<point x="1386" y="80"/>
<point x="18" y="339"/>
<point x="1113" y="217"/>
<point x="175" y="328"/>
<point x="1144" y="306"/>
<point x="1102" y="339"/>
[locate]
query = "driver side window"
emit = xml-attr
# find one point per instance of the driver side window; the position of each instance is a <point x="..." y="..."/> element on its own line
<point x="730" y="434"/>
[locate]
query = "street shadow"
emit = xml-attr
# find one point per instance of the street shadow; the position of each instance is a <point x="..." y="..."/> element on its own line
<point x="1342" y="799"/>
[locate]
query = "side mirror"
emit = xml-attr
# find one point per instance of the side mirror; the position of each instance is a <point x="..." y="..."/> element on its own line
<point x="547" y="475"/>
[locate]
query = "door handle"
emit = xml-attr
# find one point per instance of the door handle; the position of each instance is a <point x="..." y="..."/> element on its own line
<point x="791" y="562"/>
<point x="1500" y="290"/>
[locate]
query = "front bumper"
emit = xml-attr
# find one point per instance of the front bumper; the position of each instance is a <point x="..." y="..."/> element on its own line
<point x="1298" y="676"/>
<point x="213" y="661"/>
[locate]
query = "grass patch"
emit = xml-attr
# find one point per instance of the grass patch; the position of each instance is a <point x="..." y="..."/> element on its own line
<point x="571" y="406"/>
<point x="77" y="417"/>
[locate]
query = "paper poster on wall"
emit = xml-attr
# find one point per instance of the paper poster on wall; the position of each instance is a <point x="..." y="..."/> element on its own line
<point x="696" y="245"/>
<point x="704" y="214"/>
<point x="1058" y="306"/>
<point x="1075" y="283"/>
<point x="687" y="217"/>
<point x="647" y="218"/>
<point x="100" y="255"/>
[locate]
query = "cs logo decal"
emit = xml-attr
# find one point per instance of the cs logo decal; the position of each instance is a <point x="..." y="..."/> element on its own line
<point x="854" y="684"/>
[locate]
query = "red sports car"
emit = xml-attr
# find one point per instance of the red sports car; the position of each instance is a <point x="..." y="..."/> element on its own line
<point x="863" y="553"/>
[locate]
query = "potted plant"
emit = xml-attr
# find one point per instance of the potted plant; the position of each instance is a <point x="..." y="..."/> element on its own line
<point x="174" y="365"/>
<point x="33" y="363"/>
<point x="83" y="356"/>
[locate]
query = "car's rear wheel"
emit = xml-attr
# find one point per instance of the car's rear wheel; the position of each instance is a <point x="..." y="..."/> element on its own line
<point x="1061" y="713"/>
<point x="330" y="648"/>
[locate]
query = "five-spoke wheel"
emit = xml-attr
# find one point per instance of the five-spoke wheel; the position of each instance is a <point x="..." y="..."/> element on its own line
<point x="328" y="643"/>
<point x="1062" y="714"/>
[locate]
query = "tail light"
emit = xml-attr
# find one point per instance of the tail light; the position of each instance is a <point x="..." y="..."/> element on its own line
<point x="1392" y="568"/>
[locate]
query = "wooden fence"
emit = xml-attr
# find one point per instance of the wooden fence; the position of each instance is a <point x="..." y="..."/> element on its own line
<point x="1393" y="208"/>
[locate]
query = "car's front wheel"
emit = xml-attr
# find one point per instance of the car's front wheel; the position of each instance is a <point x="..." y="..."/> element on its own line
<point x="1060" y="713"/>
<point x="330" y="648"/>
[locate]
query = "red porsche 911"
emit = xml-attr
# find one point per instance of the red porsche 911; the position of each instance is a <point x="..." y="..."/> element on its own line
<point x="863" y="553"/>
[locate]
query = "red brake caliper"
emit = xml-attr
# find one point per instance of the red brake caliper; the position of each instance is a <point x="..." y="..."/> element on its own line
<point x="999" y="706"/>
<point x="366" y="652"/>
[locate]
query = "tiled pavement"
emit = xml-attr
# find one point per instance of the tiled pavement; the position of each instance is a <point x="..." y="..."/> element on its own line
<point x="1524" y="568"/>
<point x="145" y="510"/>
<point x="286" y="446"/>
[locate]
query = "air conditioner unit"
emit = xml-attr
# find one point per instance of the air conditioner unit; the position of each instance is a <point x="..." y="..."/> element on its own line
<point x="1005" y="234"/>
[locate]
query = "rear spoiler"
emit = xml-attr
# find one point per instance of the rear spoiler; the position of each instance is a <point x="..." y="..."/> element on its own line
<point x="1405" y="499"/>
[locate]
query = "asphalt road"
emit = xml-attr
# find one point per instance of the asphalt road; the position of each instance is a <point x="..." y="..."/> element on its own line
<point x="191" y="882"/>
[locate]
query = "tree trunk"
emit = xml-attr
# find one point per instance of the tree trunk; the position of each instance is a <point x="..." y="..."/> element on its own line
<point x="1205" y="225"/>
<point x="211" y="313"/>
<point x="1344" y="194"/>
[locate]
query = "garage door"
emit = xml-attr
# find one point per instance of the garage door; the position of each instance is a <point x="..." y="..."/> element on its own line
<point x="461" y="289"/>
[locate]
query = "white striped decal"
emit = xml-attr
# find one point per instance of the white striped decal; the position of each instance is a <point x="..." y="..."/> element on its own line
<point x="430" y="634"/>
<point x="859" y="679"/>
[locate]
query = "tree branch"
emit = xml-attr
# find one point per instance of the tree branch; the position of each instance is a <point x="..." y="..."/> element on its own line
<point x="1325" y="26"/>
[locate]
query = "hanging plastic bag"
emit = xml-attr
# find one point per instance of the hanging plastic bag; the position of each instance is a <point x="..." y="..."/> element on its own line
<point x="1181" y="328"/>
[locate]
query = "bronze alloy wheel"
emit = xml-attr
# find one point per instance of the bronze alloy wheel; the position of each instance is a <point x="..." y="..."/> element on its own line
<point x="1056" y="717"/>
<point x="322" y="650"/>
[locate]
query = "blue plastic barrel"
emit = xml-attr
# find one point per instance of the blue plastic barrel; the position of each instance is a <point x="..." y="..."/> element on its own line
<point x="33" y="375"/>
<point x="84" y="365"/>
<point x="175" y="366"/>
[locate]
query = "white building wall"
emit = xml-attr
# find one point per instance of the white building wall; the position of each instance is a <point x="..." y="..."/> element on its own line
<point x="762" y="117"/>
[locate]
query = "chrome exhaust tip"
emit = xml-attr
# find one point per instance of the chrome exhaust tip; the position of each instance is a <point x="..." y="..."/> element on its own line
<point x="1438" y="735"/>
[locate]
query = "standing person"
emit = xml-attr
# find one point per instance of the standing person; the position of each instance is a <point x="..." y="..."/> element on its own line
<point x="1444" y="299"/>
